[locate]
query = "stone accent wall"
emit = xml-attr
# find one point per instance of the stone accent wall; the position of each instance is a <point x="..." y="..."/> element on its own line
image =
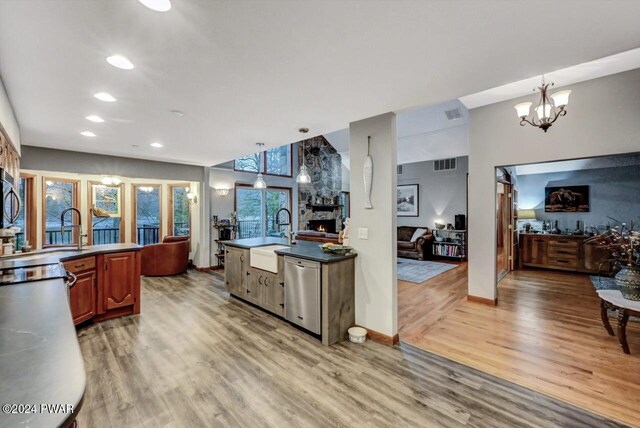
<point x="325" y="168"/>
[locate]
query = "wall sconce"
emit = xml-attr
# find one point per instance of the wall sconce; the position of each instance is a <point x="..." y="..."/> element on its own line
<point x="192" y="197"/>
<point x="111" y="181"/>
<point x="222" y="191"/>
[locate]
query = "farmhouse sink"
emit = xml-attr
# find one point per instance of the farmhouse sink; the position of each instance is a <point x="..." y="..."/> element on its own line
<point x="265" y="258"/>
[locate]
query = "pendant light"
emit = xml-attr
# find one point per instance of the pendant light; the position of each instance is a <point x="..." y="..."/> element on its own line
<point x="303" y="176"/>
<point x="259" y="183"/>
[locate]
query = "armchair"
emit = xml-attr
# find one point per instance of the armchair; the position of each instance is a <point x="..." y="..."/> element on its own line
<point x="171" y="257"/>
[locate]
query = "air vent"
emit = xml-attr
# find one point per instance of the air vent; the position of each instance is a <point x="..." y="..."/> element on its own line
<point x="453" y="114"/>
<point x="444" y="164"/>
<point x="399" y="170"/>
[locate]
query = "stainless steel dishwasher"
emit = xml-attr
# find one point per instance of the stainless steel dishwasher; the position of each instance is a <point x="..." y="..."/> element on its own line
<point x="302" y="293"/>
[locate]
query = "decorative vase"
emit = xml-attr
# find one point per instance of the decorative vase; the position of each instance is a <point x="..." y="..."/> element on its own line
<point x="367" y="175"/>
<point x="628" y="282"/>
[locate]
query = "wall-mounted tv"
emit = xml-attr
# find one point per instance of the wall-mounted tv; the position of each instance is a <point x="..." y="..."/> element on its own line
<point x="566" y="199"/>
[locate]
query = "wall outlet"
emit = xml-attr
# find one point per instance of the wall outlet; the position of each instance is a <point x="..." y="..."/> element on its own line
<point x="363" y="233"/>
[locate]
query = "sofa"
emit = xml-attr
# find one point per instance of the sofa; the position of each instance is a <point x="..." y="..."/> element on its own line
<point x="313" y="236"/>
<point x="420" y="249"/>
<point x="170" y="257"/>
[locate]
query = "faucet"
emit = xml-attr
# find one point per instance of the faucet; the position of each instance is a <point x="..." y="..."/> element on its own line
<point x="289" y="233"/>
<point x="79" y="225"/>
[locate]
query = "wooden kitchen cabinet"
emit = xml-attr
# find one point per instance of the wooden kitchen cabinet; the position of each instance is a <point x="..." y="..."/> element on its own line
<point x="254" y="285"/>
<point x="119" y="280"/>
<point x="82" y="296"/>
<point x="235" y="268"/>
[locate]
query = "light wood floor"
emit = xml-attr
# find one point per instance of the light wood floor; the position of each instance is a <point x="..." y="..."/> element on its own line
<point x="545" y="334"/>
<point x="195" y="357"/>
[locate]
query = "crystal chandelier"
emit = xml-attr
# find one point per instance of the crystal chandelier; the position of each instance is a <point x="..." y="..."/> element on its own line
<point x="548" y="110"/>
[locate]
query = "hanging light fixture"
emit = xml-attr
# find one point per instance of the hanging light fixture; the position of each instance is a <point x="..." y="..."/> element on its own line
<point x="547" y="111"/>
<point x="259" y="183"/>
<point x="303" y="176"/>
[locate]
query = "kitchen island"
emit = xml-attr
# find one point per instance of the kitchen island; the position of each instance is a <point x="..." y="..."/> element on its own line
<point x="41" y="366"/>
<point x="265" y="285"/>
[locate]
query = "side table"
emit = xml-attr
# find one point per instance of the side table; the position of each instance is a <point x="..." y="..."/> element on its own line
<point x="612" y="299"/>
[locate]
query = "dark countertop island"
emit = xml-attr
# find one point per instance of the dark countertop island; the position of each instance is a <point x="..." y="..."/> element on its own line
<point x="40" y="358"/>
<point x="302" y="249"/>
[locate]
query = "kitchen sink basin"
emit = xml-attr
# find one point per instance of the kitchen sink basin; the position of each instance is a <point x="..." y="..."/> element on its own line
<point x="265" y="258"/>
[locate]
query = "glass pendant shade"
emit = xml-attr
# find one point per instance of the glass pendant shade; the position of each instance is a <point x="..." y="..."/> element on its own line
<point x="523" y="109"/>
<point x="561" y="98"/>
<point x="547" y="111"/>
<point x="303" y="176"/>
<point x="260" y="184"/>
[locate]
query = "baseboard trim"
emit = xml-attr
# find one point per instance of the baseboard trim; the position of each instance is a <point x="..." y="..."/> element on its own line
<point x="382" y="338"/>
<point x="483" y="300"/>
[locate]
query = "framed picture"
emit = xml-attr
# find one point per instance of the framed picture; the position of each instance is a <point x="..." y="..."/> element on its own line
<point x="107" y="199"/>
<point x="566" y="199"/>
<point x="408" y="200"/>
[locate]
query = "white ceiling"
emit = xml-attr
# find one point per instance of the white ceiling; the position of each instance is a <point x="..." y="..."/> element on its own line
<point x="247" y="71"/>
<point x="580" y="164"/>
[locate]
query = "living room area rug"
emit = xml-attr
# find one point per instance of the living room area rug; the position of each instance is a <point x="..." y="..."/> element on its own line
<point x="419" y="271"/>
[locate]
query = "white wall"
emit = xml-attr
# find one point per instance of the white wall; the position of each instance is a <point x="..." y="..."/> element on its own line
<point x="442" y="194"/>
<point x="376" y="283"/>
<point x="8" y="119"/>
<point x="603" y="118"/>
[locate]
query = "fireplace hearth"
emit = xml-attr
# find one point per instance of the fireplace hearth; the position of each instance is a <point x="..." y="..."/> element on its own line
<point x="328" y="226"/>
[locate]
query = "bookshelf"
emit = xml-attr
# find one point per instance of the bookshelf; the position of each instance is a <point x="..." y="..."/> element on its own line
<point x="449" y="243"/>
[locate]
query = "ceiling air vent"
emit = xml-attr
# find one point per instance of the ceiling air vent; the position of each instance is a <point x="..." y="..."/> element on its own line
<point x="399" y="170"/>
<point x="453" y="114"/>
<point x="444" y="164"/>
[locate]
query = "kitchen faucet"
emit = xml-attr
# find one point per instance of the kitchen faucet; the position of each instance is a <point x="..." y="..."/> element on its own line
<point x="289" y="232"/>
<point x="79" y="225"/>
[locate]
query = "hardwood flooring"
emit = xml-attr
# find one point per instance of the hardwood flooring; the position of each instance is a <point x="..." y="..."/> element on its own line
<point x="195" y="357"/>
<point x="545" y="334"/>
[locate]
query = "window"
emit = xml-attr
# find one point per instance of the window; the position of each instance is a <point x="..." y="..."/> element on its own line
<point x="26" y="217"/>
<point x="59" y="194"/>
<point x="179" y="210"/>
<point x="147" y="213"/>
<point x="276" y="161"/>
<point x="105" y="211"/>
<point x="257" y="210"/>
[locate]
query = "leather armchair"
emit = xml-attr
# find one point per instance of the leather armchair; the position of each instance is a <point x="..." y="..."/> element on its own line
<point x="420" y="249"/>
<point x="171" y="257"/>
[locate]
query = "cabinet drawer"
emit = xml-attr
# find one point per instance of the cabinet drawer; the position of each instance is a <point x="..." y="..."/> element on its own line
<point x="564" y="243"/>
<point x="563" y="252"/>
<point x="80" y="265"/>
<point x="563" y="262"/>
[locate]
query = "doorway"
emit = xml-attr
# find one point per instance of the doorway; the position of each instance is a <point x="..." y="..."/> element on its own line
<point x="506" y="239"/>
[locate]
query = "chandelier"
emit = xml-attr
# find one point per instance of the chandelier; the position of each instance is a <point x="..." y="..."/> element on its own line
<point x="548" y="110"/>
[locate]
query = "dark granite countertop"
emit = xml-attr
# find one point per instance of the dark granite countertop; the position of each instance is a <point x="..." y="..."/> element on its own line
<point x="40" y="359"/>
<point x="58" y="254"/>
<point x="303" y="249"/>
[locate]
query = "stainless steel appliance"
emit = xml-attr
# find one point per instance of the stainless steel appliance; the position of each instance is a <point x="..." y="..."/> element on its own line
<point x="302" y="293"/>
<point x="10" y="199"/>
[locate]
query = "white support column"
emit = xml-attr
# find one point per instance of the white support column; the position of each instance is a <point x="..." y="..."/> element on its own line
<point x="376" y="282"/>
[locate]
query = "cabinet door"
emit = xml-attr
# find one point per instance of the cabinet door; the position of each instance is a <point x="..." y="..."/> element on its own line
<point x="119" y="280"/>
<point x="254" y="285"/>
<point x="273" y="294"/>
<point x="82" y="297"/>
<point x="534" y="250"/>
<point x="233" y="270"/>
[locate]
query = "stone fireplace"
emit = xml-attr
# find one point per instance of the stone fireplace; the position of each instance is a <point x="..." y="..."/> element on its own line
<point x="318" y="202"/>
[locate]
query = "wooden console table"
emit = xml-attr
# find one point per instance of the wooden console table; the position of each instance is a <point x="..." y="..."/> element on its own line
<point x="612" y="299"/>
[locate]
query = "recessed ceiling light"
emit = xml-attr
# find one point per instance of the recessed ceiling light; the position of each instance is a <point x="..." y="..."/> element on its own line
<point x="120" y="61"/>
<point x="94" y="118"/>
<point x="157" y="5"/>
<point x="105" y="96"/>
<point x="88" y="134"/>
<point x="156" y="145"/>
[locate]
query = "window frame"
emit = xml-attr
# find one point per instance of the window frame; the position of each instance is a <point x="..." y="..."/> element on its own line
<point x="134" y="210"/>
<point x="237" y="186"/>
<point x="263" y="162"/>
<point x="170" y="230"/>
<point x="90" y="185"/>
<point x="31" y="212"/>
<point x="76" y="204"/>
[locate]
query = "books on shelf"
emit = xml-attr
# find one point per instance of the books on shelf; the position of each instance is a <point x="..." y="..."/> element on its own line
<point x="449" y="250"/>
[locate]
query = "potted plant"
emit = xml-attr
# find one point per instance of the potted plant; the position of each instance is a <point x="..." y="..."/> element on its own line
<point x="623" y="244"/>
